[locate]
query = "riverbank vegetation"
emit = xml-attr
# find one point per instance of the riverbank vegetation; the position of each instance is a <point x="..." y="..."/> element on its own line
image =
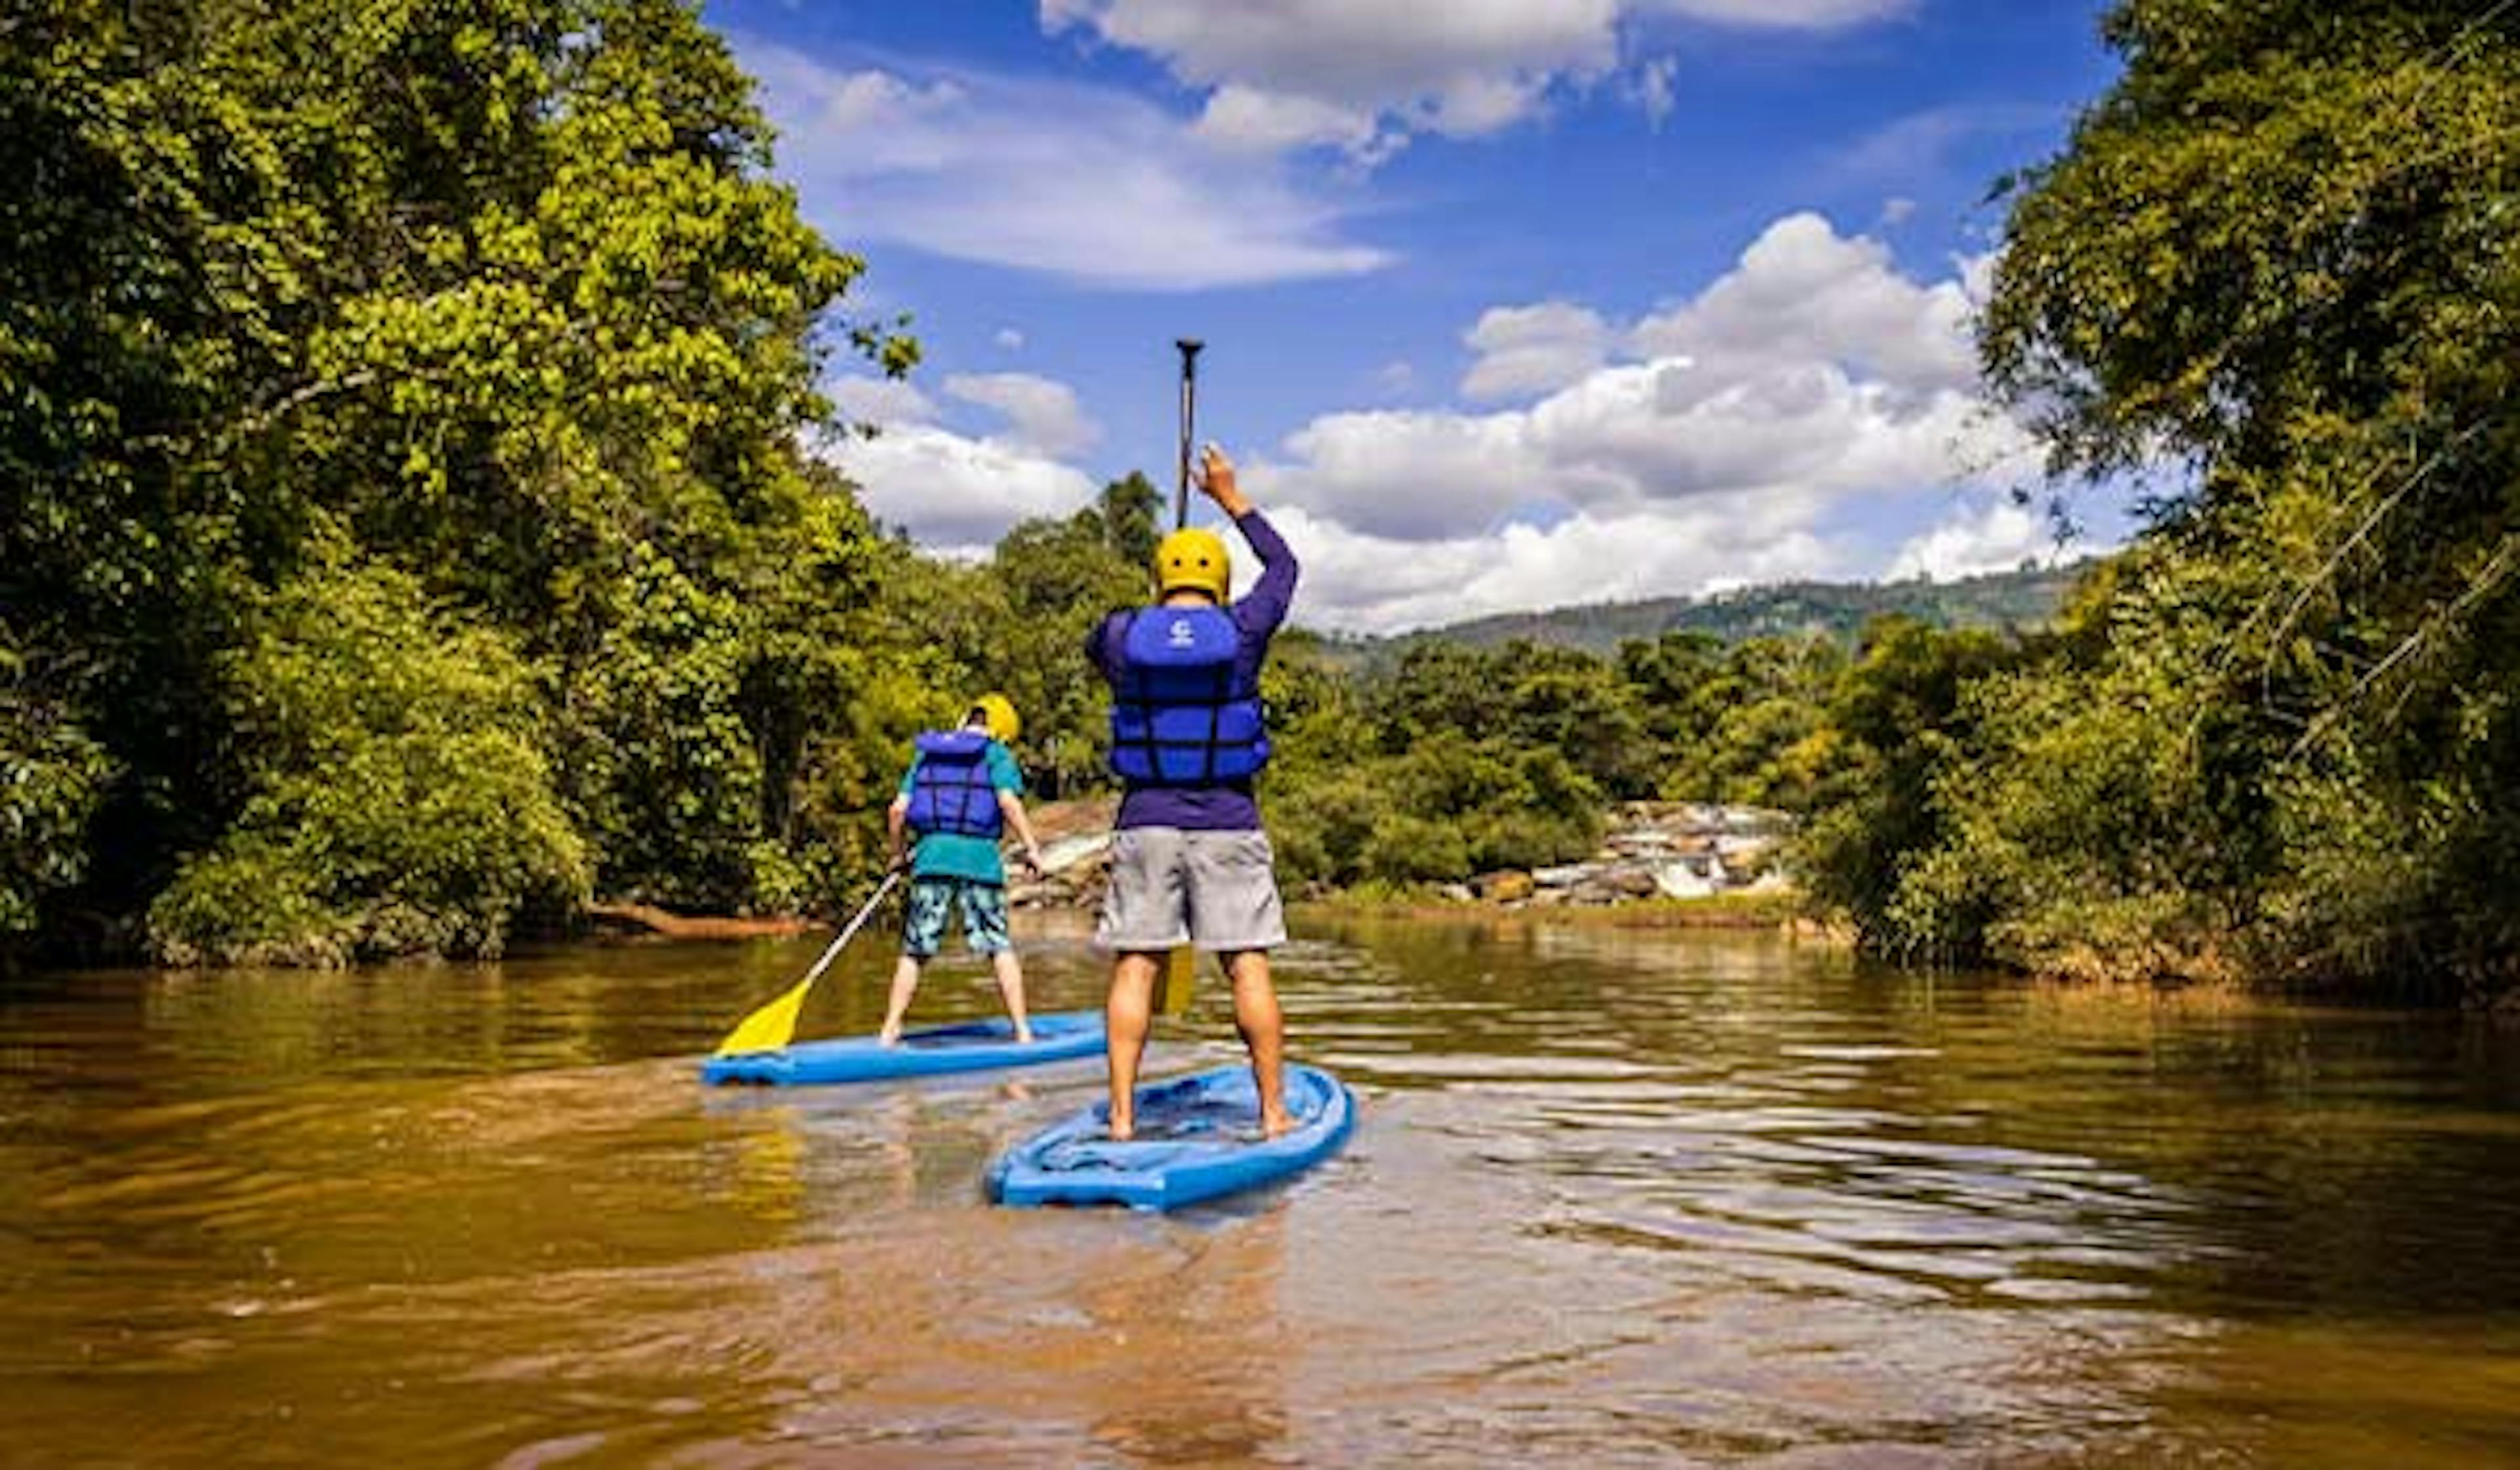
<point x="406" y="528"/>
<point x="413" y="529"/>
<point x="2275" y="277"/>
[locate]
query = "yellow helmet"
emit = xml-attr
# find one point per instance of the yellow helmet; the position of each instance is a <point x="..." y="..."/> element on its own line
<point x="998" y="713"/>
<point x="1194" y="557"/>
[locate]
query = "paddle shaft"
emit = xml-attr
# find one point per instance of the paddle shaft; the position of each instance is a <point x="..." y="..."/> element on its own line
<point x="851" y="933"/>
<point x="1181" y="967"/>
<point x="1188" y="347"/>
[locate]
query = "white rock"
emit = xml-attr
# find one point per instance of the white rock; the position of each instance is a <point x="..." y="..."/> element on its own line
<point x="1680" y="880"/>
<point x="1067" y="852"/>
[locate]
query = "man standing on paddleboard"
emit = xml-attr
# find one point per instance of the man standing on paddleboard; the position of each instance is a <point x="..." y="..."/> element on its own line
<point x="1189" y="861"/>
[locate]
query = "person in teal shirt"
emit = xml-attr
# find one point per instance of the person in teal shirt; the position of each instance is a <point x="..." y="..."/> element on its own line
<point x="961" y="792"/>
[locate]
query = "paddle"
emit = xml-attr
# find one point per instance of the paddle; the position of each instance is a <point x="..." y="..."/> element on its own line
<point x="774" y="1025"/>
<point x="1181" y="968"/>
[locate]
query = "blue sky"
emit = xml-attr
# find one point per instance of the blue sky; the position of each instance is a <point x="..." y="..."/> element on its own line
<point x="1510" y="303"/>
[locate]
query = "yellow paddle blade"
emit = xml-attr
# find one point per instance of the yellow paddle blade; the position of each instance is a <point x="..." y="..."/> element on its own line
<point x="774" y="1025"/>
<point x="1181" y="968"/>
<point x="771" y="1027"/>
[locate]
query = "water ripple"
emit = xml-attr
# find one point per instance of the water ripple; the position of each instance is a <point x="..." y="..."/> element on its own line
<point x="1615" y="1198"/>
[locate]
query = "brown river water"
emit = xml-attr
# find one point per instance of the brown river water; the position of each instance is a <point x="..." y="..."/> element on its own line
<point x="1616" y="1197"/>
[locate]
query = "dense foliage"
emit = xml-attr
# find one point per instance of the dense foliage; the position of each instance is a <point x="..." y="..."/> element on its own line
<point x="2279" y="738"/>
<point x="1461" y="759"/>
<point x="398" y="411"/>
<point x="398" y="799"/>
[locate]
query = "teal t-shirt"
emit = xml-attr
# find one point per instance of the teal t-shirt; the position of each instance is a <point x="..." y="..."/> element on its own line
<point x="955" y="855"/>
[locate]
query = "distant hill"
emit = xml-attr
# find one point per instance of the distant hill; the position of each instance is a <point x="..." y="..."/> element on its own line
<point x="2025" y="599"/>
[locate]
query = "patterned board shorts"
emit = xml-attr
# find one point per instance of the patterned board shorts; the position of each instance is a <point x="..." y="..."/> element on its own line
<point x="984" y="917"/>
<point x="1215" y="890"/>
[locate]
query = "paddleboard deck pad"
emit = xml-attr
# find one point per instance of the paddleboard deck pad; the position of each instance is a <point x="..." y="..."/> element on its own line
<point x="968" y="1046"/>
<point x="1197" y="1139"/>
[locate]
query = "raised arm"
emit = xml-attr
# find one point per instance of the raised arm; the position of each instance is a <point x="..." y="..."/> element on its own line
<point x="1274" y="591"/>
<point x="1266" y="604"/>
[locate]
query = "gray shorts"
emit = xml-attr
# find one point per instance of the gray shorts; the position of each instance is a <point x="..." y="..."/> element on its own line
<point x="1215" y="890"/>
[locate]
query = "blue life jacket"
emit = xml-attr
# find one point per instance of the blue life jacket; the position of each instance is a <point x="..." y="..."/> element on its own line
<point x="1180" y="716"/>
<point x="950" y="790"/>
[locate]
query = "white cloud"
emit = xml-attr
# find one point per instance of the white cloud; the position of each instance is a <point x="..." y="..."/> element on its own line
<point x="949" y="490"/>
<point x="1364" y="582"/>
<point x="1628" y="436"/>
<point x="1464" y="68"/>
<point x="955" y="494"/>
<point x="878" y="400"/>
<point x="1994" y="536"/>
<point x="1010" y="340"/>
<point x="1417" y="475"/>
<point x="1089" y="184"/>
<point x="1977" y="277"/>
<point x="1921" y="145"/>
<point x="1362" y="74"/>
<point x="1241" y="119"/>
<point x="1528" y="349"/>
<point x="1043" y="415"/>
<point x="1652" y="90"/>
<point x="1804" y="293"/>
<point x="1813" y="386"/>
<point x="1773" y="427"/>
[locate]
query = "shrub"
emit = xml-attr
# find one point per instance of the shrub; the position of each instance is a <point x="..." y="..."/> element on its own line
<point x="400" y="804"/>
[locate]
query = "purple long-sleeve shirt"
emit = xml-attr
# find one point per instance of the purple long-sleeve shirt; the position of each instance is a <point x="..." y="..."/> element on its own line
<point x="1220" y="808"/>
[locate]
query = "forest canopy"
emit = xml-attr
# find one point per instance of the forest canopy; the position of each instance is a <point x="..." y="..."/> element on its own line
<point x="2275" y="272"/>
<point x="399" y="410"/>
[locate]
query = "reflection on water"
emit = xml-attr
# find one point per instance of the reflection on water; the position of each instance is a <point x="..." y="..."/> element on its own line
<point x="1616" y="1197"/>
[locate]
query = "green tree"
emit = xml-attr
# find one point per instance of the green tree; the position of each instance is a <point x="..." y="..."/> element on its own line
<point x="1129" y="516"/>
<point x="399" y="798"/>
<point x="663" y="772"/>
<point x="1574" y="703"/>
<point x="1896" y="723"/>
<point x="1740" y="727"/>
<point x="501" y="296"/>
<point x="52" y="776"/>
<point x="1664" y="676"/>
<point x="2279" y="252"/>
<point x="1438" y="685"/>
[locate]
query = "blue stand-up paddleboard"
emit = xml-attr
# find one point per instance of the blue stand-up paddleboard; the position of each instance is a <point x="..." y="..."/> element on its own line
<point x="1197" y="1137"/>
<point x="969" y="1047"/>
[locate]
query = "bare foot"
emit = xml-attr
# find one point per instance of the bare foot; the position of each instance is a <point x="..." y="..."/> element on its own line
<point x="1123" y="1130"/>
<point x="888" y="1037"/>
<point x="1023" y="1036"/>
<point x="1276" y="1125"/>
